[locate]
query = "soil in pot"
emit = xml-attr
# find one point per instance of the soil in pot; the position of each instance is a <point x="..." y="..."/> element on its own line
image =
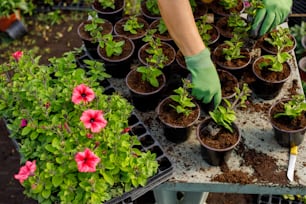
<point x="137" y="37"/>
<point x="162" y="36"/>
<point x="220" y="10"/>
<point x="287" y="131"/>
<point x="118" y="66"/>
<point x="216" y="141"/>
<point x="90" y="45"/>
<point x="302" y="68"/>
<point x="176" y="126"/>
<point x="268" y="83"/>
<point x="113" y="15"/>
<point x="150" y="17"/>
<point x="144" y="96"/>
<point x="235" y="66"/>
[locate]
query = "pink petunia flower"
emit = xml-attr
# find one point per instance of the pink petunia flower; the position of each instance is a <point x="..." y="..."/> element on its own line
<point x="93" y="119"/>
<point x="25" y="171"/>
<point x="86" y="161"/>
<point x="17" y="55"/>
<point x="125" y="130"/>
<point x="247" y="4"/>
<point x="82" y="93"/>
<point x="23" y="123"/>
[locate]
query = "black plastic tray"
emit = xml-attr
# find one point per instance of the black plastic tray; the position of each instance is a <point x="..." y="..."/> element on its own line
<point x="275" y="199"/>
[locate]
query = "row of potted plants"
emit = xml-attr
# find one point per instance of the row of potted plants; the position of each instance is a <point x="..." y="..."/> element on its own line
<point x="230" y="53"/>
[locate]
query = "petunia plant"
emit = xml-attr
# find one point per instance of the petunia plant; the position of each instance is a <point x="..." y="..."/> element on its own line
<point x="73" y="139"/>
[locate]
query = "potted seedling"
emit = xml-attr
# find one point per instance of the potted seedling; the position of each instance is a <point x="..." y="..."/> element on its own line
<point x="208" y="31"/>
<point x="232" y="56"/>
<point x="218" y="134"/>
<point x="111" y="10"/>
<point x="233" y="24"/>
<point x="145" y="84"/>
<point x="134" y="27"/>
<point x="116" y="51"/>
<point x="276" y="40"/>
<point x="10" y="17"/>
<point x="91" y="32"/>
<point x="150" y="10"/>
<point x="288" y="119"/>
<point x="271" y="72"/>
<point x="178" y="113"/>
<point x="227" y="7"/>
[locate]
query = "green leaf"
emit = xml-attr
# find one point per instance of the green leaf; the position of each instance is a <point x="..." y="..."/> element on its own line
<point x="108" y="178"/>
<point x="57" y="180"/>
<point x="26" y="130"/>
<point x="46" y="193"/>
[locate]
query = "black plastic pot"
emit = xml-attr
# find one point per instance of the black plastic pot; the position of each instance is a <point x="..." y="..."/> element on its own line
<point x="212" y="155"/>
<point x="118" y="66"/>
<point x="113" y="15"/>
<point x="144" y="101"/>
<point x="175" y="133"/>
<point x="286" y="137"/>
<point x="267" y="89"/>
<point x="88" y="41"/>
<point x="16" y="30"/>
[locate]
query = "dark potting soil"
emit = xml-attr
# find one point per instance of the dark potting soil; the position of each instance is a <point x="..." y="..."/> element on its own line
<point x="167" y="49"/>
<point x="170" y="116"/>
<point x="271" y="75"/>
<point x="126" y="50"/>
<point x="217" y="8"/>
<point x="223" y="27"/>
<point x="163" y="36"/>
<point x="119" y="28"/>
<point x="228" y="83"/>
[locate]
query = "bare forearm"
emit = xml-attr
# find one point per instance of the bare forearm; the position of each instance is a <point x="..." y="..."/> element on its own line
<point x="180" y="22"/>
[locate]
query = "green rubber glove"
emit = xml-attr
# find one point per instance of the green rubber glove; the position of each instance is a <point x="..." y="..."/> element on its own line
<point x="205" y="79"/>
<point x="274" y="13"/>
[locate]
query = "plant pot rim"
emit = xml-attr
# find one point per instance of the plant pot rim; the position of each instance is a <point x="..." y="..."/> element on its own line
<point x="162" y="85"/>
<point x="213" y="7"/>
<point x="176" y="126"/>
<point x="82" y="24"/>
<point x="303" y="41"/>
<point x="234" y="78"/>
<point x="132" y="36"/>
<point x="122" y="59"/>
<point x="274" y="82"/>
<point x="162" y="37"/>
<point x="232" y="68"/>
<point x="93" y="6"/>
<point x="163" y="43"/>
<point x="302" y="62"/>
<point x="271" y="120"/>
<point x="234" y="125"/>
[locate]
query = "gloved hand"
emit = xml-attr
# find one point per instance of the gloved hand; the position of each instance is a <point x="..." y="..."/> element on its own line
<point x="274" y="13"/>
<point x="205" y="79"/>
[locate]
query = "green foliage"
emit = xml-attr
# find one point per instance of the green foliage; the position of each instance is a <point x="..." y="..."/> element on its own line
<point x="42" y="95"/>
<point x="238" y="24"/>
<point x="150" y="74"/>
<point x="299" y="31"/>
<point x="228" y="4"/>
<point x="7" y="7"/>
<point x="93" y="26"/>
<point x="193" y="5"/>
<point x="203" y="28"/>
<point x="294" y="107"/>
<point x="112" y="47"/>
<point x="275" y="62"/>
<point x="152" y="7"/>
<point x="132" y="7"/>
<point x="225" y="116"/>
<point x="132" y="25"/>
<point x="280" y="38"/>
<point x="162" y="28"/>
<point x="157" y="57"/>
<point x="183" y="99"/>
<point x="253" y="7"/>
<point x="107" y="4"/>
<point x="232" y="49"/>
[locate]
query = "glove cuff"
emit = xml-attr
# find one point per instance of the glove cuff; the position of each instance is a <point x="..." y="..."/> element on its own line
<point x="205" y="53"/>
